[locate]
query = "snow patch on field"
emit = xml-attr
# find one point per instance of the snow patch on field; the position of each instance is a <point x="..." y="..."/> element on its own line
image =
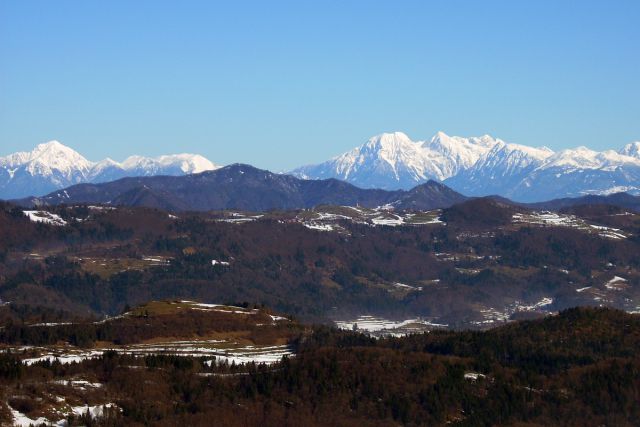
<point x="156" y="260"/>
<point x="492" y="315"/>
<point x="21" y="420"/>
<point x="50" y="324"/>
<point x="542" y="303"/>
<point x="65" y="359"/>
<point x="392" y="220"/>
<point x="317" y="226"/>
<point x="407" y="287"/>
<point x="79" y="384"/>
<point x="616" y="283"/>
<point x="45" y="217"/>
<point x="96" y="411"/>
<point x="248" y="354"/>
<point x="473" y="376"/>
<point x="239" y="218"/>
<point x="219" y="350"/>
<point x="558" y="220"/>
<point x="379" y="327"/>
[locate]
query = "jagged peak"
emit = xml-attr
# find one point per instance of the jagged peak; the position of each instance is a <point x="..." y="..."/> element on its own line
<point x="54" y="143"/>
<point x="439" y="135"/>
<point x="389" y="138"/>
<point x="632" y="149"/>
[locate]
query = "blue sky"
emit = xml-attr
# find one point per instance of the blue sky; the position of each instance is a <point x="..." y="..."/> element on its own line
<point x="279" y="84"/>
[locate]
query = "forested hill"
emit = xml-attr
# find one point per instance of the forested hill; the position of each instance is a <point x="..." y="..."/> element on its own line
<point x="476" y="264"/>
<point x="579" y="368"/>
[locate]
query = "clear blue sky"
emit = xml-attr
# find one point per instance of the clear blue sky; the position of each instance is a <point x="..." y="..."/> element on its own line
<point x="279" y="84"/>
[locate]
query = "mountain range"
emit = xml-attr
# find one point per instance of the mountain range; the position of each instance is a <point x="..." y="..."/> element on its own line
<point x="475" y="166"/>
<point x="52" y="165"/>
<point x="244" y="187"/>
<point x="481" y="166"/>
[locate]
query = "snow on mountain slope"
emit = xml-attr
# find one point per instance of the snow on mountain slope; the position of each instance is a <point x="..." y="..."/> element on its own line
<point x="529" y="174"/>
<point x="459" y="153"/>
<point x="474" y="166"/>
<point x="389" y="161"/>
<point x="579" y="171"/>
<point x="393" y="160"/>
<point x="631" y="150"/>
<point x="49" y="158"/>
<point x="479" y="166"/>
<point x="52" y="166"/>
<point x="585" y="158"/>
<point x="499" y="170"/>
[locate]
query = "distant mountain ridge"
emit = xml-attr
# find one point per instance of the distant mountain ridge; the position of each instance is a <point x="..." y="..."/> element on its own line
<point x="52" y="165"/>
<point x="475" y="167"/>
<point x="244" y="187"/>
<point x="393" y="161"/>
<point x="480" y="166"/>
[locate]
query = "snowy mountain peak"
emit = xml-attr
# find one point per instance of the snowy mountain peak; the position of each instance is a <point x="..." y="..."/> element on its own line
<point x="54" y="153"/>
<point x="189" y="163"/>
<point x="51" y="153"/>
<point x="51" y="145"/>
<point x="459" y="153"/>
<point x="49" y="159"/>
<point x="52" y="165"/>
<point x="440" y="135"/>
<point x="484" y="165"/>
<point x="389" y="139"/>
<point x="393" y="160"/>
<point x="631" y="150"/>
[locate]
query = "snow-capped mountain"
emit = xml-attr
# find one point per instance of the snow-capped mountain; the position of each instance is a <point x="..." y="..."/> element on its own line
<point x="579" y="171"/>
<point x="500" y="170"/>
<point x="456" y="153"/>
<point x="632" y="150"/>
<point x="475" y="166"/>
<point x="52" y="166"/>
<point x="480" y="166"/>
<point x="394" y="161"/>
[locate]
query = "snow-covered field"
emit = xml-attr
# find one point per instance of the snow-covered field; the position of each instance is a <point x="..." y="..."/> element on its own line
<point x="239" y="218"/>
<point x="218" y="350"/>
<point x="45" y="217"/>
<point x="559" y="220"/>
<point x="329" y="218"/>
<point x="402" y="286"/>
<point x="491" y="316"/>
<point x="616" y="284"/>
<point x="96" y="411"/>
<point x="379" y="327"/>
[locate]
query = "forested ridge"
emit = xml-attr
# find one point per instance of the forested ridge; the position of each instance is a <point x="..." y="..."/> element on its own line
<point x="473" y="262"/>
<point x="580" y="367"/>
